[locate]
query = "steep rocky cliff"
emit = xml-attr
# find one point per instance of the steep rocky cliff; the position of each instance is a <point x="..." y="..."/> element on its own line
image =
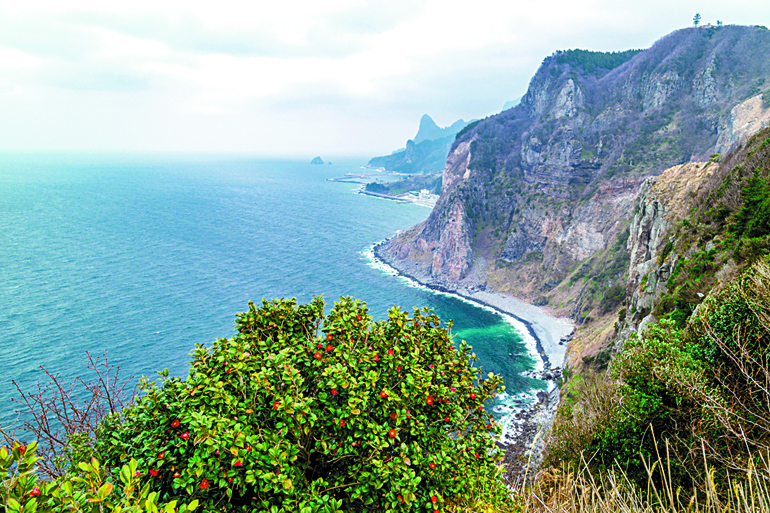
<point x="685" y="240"/>
<point x="536" y="201"/>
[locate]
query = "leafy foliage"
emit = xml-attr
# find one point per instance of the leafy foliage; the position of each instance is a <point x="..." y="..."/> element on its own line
<point x="302" y="413"/>
<point x="89" y="490"/>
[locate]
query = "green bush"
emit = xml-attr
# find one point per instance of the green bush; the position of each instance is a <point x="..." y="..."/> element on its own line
<point x="88" y="490"/>
<point x="302" y="413"/>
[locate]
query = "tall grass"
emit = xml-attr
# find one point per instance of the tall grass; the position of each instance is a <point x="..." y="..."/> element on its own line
<point x="584" y="490"/>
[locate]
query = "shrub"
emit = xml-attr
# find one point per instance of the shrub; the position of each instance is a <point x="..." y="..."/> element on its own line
<point x="90" y="491"/>
<point x="302" y="413"/>
<point x="612" y="298"/>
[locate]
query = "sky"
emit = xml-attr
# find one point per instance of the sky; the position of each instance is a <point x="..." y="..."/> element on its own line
<point x="293" y="78"/>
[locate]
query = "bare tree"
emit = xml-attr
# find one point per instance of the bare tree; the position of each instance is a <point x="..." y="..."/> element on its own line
<point x="63" y="416"/>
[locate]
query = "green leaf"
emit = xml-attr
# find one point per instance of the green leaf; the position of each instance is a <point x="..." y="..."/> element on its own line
<point x="13" y="505"/>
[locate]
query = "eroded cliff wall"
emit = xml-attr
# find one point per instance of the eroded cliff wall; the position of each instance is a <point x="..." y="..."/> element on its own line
<point x="537" y="200"/>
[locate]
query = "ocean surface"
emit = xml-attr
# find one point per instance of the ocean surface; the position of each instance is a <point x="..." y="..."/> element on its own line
<point x="145" y="256"/>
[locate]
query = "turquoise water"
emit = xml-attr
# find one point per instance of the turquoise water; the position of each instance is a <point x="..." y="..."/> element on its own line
<point x="144" y="256"/>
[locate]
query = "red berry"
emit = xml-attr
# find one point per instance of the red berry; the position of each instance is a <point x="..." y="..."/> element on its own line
<point x="185" y="435"/>
<point x="392" y="433"/>
<point x="473" y="395"/>
<point x="329" y="347"/>
<point x="393" y="415"/>
<point x="390" y="352"/>
<point x="329" y="337"/>
<point x="276" y="405"/>
<point x="342" y="424"/>
<point x="433" y="499"/>
<point x="204" y="484"/>
<point x="229" y="479"/>
<point x="320" y="346"/>
<point x="383" y="394"/>
<point x="489" y="426"/>
<point x="429" y="399"/>
<point x="177" y="475"/>
<point x="153" y="472"/>
<point x="359" y="318"/>
<point x="446" y="419"/>
<point x="137" y="473"/>
<point x="22" y="449"/>
<point x="35" y="492"/>
<point x="376" y="358"/>
<point x="317" y="356"/>
<point x="432" y="465"/>
<point x="238" y="463"/>
<point x="334" y="391"/>
<point x="175" y="423"/>
<point x="162" y="455"/>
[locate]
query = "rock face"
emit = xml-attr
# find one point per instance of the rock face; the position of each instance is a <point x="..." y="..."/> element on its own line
<point x="537" y="200"/>
<point x="663" y="201"/>
<point x="745" y="119"/>
<point x="317" y="161"/>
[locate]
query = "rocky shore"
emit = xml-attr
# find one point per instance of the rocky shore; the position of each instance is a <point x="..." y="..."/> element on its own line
<point x="525" y="428"/>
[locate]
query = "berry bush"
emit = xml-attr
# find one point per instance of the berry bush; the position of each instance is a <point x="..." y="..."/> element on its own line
<point x="312" y="413"/>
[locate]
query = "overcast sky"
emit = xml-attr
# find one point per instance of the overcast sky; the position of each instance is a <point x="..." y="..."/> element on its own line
<point x="293" y="78"/>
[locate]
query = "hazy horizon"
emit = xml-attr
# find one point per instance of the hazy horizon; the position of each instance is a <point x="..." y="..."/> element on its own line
<point x="345" y="79"/>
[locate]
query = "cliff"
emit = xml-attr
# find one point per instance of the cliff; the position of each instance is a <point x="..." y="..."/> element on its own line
<point x="688" y="341"/>
<point x="537" y="201"/>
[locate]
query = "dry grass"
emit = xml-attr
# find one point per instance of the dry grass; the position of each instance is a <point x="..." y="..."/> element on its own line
<point x="568" y="491"/>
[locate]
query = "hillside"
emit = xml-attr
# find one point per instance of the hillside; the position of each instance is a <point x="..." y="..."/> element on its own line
<point x="536" y="201"/>
<point x="687" y="351"/>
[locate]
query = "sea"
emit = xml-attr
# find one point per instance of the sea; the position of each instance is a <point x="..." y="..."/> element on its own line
<point x="144" y="256"/>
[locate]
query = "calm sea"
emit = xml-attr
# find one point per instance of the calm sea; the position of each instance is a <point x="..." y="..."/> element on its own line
<point x="144" y="256"/>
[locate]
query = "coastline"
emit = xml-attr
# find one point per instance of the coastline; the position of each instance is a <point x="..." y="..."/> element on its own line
<point x="522" y="438"/>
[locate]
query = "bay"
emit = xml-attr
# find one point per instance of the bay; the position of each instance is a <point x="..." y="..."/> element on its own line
<point x="146" y="255"/>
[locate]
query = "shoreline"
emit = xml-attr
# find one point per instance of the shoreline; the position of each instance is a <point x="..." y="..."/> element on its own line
<point x="524" y="447"/>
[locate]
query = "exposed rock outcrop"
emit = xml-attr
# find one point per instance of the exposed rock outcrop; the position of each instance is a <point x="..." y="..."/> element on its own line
<point x="662" y="202"/>
<point x="745" y="119"/>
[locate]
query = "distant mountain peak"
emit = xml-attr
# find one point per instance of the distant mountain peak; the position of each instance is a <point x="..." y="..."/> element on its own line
<point x="430" y="131"/>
